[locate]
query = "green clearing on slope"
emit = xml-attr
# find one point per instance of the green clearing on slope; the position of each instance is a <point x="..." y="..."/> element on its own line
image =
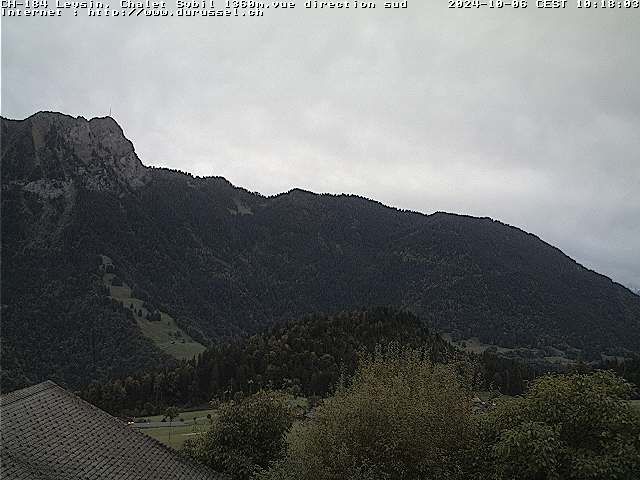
<point x="474" y="345"/>
<point x="165" y="333"/>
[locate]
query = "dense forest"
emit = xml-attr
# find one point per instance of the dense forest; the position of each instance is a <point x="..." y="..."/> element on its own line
<point x="306" y="357"/>
<point x="63" y="307"/>
<point x="226" y="263"/>
<point x="310" y="356"/>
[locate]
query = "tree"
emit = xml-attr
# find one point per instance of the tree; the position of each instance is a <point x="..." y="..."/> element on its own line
<point x="171" y="413"/>
<point x="401" y="417"/>
<point x="573" y="427"/>
<point x="246" y="436"/>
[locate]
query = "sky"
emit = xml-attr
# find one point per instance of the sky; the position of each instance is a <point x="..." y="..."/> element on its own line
<point x="529" y="116"/>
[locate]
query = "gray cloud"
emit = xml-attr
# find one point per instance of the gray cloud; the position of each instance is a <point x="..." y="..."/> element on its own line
<point x="531" y="117"/>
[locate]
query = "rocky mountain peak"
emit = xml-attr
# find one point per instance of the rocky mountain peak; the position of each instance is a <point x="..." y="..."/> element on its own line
<point x="48" y="148"/>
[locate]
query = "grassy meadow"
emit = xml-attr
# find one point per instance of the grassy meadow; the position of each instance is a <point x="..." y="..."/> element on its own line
<point x="165" y="334"/>
<point x="194" y="423"/>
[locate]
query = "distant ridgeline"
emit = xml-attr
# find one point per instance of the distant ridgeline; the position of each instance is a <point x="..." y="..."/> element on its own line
<point x="218" y="262"/>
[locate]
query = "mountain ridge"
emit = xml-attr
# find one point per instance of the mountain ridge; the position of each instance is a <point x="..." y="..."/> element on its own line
<point x="224" y="261"/>
<point x="295" y="191"/>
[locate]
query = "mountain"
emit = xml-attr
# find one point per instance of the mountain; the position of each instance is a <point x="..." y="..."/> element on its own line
<point x="94" y="242"/>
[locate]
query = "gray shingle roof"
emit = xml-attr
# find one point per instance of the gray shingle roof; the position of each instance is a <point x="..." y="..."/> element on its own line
<point x="48" y="433"/>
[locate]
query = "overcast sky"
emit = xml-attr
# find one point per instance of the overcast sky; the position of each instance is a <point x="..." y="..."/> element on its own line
<point x="528" y="116"/>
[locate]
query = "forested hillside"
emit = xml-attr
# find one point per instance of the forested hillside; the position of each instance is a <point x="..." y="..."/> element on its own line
<point x="225" y="262"/>
<point x="307" y="356"/>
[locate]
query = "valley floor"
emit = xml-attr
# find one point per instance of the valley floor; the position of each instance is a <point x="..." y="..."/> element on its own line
<point x="187" y="425"/>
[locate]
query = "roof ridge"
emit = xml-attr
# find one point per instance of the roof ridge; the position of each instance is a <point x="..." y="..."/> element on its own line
<point x="54" y="432"/>
<point x="16" y="395"/>
<point x="135" y="432"/>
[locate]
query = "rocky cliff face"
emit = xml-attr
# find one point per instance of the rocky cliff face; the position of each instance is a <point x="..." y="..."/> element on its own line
<point x="50" y="153"/>
<point x="48" y="157"/>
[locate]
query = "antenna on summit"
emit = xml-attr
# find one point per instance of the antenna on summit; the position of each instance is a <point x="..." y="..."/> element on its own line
<point x="109" y="111"/>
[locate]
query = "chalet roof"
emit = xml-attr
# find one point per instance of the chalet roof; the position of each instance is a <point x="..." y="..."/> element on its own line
<point x="48" y="433"/>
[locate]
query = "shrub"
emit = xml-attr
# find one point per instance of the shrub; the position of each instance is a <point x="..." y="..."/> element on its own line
<point x="246" y="436"/>
<point x="577" y="426"/>
<point x="401" y="417"/>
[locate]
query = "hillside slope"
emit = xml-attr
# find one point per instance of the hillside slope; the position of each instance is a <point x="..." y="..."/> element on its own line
<point x="305" y="356"/>
<point x="223" y="261"/>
